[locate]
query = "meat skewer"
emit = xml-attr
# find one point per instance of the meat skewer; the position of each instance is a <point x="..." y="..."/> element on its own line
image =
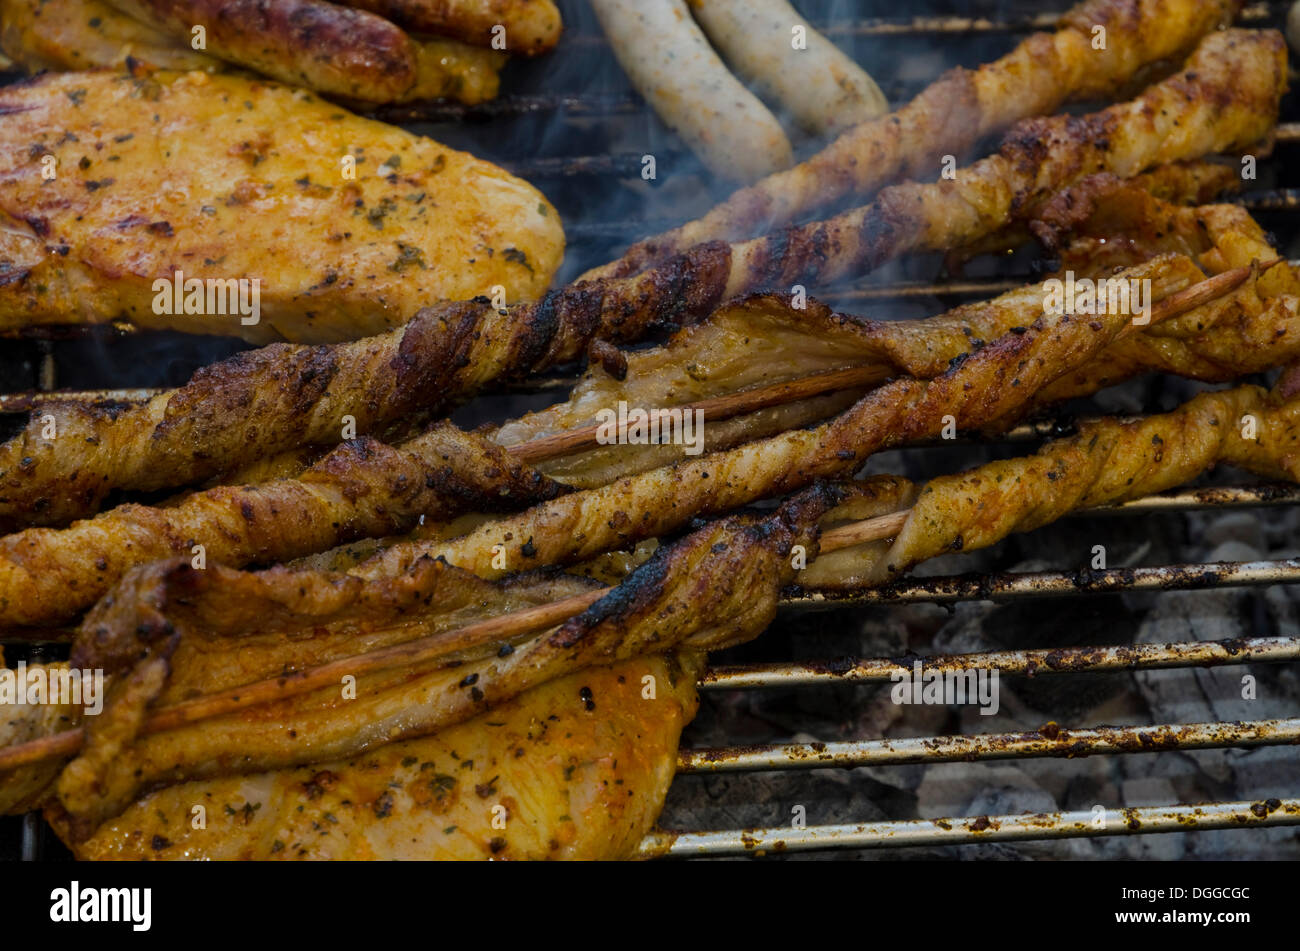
<point x="1136" y="458"/>
<point x="990" y="385"/>
<point x="1227" y="98"/>
<point x="952" y="115"/>
<point x="362" y="489"/>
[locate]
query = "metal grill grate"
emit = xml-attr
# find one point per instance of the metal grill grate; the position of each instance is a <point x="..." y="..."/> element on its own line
<point x="602" y="208"/>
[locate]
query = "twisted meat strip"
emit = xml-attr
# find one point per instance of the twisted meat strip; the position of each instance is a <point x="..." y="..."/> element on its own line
<point x="361" y="489"/>
<point x="714" y="589"/>
<point x="990" y="384"/>
<point x="952" y="115"/>
<point x="48" y="576"/>
<point x="1108" y="462"/>
<point x="151" y="640"/>
<point x="281" y="397"/>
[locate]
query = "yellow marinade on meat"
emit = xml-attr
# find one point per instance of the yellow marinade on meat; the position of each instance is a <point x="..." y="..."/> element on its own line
<point x="111" y="184"/>
<point x="576" y="768"/>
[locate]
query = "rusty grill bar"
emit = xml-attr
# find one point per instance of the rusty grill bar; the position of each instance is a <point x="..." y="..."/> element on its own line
<point x="964" y="831"/>
<point x="1051" y="740"/>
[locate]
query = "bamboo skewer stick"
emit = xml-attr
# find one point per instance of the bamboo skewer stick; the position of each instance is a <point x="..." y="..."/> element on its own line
<point x="541" y="617"/>
<point x="819" y="384"/>
<point x="714" y="408"/>
<point x="491" y="631"/>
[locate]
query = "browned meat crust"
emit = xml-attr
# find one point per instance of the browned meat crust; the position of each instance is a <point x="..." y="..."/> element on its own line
<point x="360" y="490"/>
<point x="1108" y="462"/>
<point x="991" y="384"/>
<point x="231" y="414"/>
<point x="571" y="779"/>
<point x="169" y="632"/>
<point x="1227" y="98"/>
<point x="531" y="26"/>
<point x="953" y="114"/>
<point x="304" y="42"/>
<point x="163" y="633"/>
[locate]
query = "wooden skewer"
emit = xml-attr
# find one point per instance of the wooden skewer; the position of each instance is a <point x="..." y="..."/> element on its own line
<point x="531" y="620"/>
<point x="819" y="384"/>
<point x="491" y="631"/>
<point x="714" y="408"/>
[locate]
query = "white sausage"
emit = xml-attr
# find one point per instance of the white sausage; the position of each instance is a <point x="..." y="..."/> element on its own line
<point x="821" y="87"/>
<point x="671" y="64"/>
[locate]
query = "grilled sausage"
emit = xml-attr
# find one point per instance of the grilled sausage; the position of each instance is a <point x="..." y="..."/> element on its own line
<point x="305" y="42"/>
<point x="672" y="65"/>
<point x="531" y="26"/>
<point x="818" y="84"/>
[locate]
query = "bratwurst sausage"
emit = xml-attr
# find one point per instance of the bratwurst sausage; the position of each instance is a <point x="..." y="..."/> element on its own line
<point x="790" y="63"/>
<point x="309" y="43"/>
<point x="672" y="65"/>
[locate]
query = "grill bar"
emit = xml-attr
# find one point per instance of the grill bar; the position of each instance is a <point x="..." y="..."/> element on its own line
<point x="1045" y="584"/>
<point x="1282" y="200"/>
<point x="1050" y="741"/>
<point x="959" y="831"/>
<point x="1031" y="663"/>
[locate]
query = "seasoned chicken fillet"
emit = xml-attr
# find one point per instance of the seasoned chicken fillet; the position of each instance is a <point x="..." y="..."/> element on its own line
<point x="111" y="184"/>
<point x="576" y="768"/>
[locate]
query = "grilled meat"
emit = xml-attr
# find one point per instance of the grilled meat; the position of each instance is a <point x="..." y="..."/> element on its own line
<point x="990" y="384"/>
<point x="84" y="34"/>
<point x="48" y="576"/>
<point x="169" y="632"/>
<point x="531" y="26"/>
<point x="1226" y="100"/>
<point x="580" y="765"/>
<point x="22" y="789"/>
<point x="420" y="222"/>
<point x="1108" y="462"/>
<point x="1227" y="97"/>
<point x="953" y="114"/>
<point x="310" y="43"/>
<point x="149" y="636"/>
<point x="361" y="489"/>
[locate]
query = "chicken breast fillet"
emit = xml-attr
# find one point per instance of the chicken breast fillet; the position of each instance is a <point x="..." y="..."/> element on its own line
<point x="111" y="184"/>
<point x="576" y="768"/>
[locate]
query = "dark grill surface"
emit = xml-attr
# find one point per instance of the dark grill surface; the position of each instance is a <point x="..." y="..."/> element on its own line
<point x="570" y="123"/>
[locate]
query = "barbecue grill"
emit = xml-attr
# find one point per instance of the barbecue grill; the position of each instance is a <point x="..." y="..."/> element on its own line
<point x="575" y="129"/>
